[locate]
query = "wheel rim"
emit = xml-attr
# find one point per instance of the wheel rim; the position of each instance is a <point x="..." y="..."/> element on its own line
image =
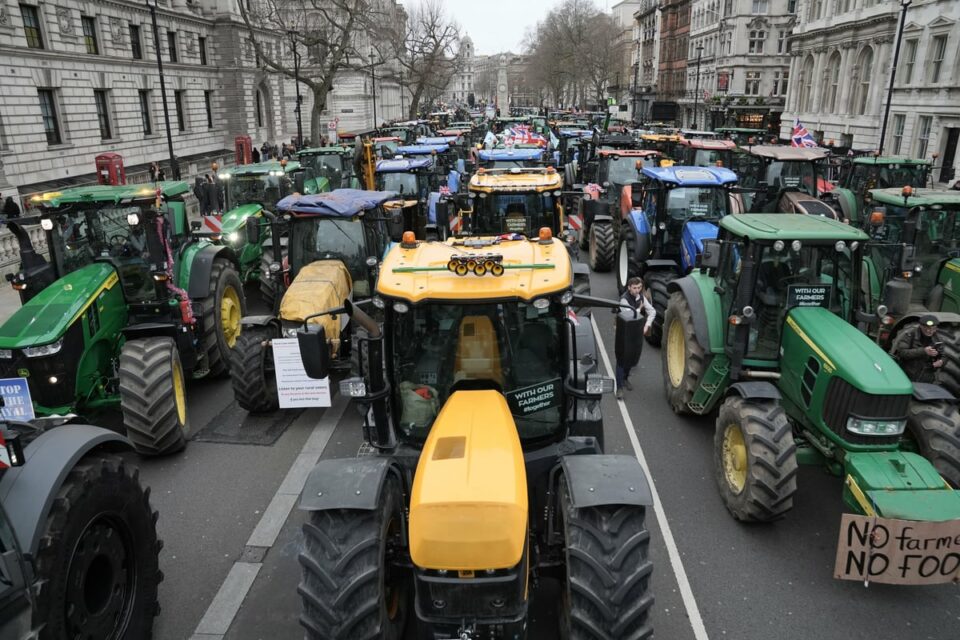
<point x="230" y="316"/>
<point x="179" y="395"/>
<point x="734" y="458"/>
<point x="676" y="353"/>
<point x="101" y="580"/>
<point x="623" y="268"/>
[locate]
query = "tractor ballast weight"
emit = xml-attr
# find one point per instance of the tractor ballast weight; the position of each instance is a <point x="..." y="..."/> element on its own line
<point x="764" y="330"/>
<point x="533" y="489"/>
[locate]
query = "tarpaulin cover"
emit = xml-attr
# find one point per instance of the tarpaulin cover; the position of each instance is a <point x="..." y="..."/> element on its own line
<point x="422" y="149"/>
<point x="319" y="286"/>
<point x="488" y="155"/>
<point x="344" y="203"/>
<point x="403" y="165"/>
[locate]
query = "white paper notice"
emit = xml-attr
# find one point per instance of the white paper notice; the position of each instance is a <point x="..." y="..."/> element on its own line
<point x="294" y="388"/>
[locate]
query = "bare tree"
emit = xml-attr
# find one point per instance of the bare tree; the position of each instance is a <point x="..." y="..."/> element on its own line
<point x="330" y="32"/>
<point x="427" y="49"/>
<point x="605" y="57"/>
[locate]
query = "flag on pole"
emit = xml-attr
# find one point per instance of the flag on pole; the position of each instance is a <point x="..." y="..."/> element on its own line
<point x="801" y="137"/>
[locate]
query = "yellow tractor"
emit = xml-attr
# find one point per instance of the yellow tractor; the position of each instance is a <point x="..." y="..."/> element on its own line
<point x="481" y="484"/>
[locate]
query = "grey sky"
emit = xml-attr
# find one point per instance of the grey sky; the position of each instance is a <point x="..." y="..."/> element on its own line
<point x="497" y="25"/>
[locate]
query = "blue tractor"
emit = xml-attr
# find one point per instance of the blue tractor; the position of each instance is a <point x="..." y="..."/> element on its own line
<point x="510" y="158"/>
<point x="665" y="217"/>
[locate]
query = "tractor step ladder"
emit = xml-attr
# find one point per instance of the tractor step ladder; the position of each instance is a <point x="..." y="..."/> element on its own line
<point x="713" y="383"/>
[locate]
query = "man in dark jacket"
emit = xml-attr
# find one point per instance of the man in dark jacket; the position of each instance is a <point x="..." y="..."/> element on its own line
<point x="10" y="208"/>
<point x="628" y="342"/>
<point x="919" y="352"/>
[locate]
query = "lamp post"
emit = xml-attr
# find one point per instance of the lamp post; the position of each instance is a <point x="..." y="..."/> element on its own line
<point x="373" y="86"/>
<point x="296" y="83"/>
<point x="696" y="92"/>
<point x="400" y="83"/>
<point x="904" y="5"/>
<point x="636" y="76"/>
<point x="174" y="167"/>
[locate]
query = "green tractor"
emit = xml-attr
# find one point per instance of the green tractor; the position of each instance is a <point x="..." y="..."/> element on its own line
<point x="129" y="306"/>
<point x="765" y="330"/>
<point x="326" y="168"/>
<point x="860" y="175"/>
<point x="335" y="242"/>
<point x="912" y="267"/>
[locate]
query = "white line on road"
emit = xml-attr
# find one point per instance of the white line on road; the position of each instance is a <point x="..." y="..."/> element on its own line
<point x="221" y="612"/>
<point x="686" y="593"/>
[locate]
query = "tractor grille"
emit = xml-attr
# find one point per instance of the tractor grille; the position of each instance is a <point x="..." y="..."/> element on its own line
<point x="843" y="400"/>
<point x="63" y="365"/>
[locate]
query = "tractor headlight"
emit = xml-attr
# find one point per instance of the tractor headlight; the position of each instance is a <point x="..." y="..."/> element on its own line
<point x="598" y="385"/>
<point x="233" y="236"/>
<point x="133" y="219"/>
<point x="223" y="176"/>
<point x="353" y="388"/>
<point x="46" y="224"/>
<point x="778" y="246"/>
<point x="6" y="354"/>
<point x="840" y="246"/>
<point x="566" y="297"/>
<point x="875" y="427"/>
<point x="400" y="307"/>
<point x="796" y="245"/>
<point x="44" y="349"/>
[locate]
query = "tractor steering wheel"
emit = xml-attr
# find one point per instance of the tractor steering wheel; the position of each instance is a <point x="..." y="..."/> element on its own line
<point x="118" y="240"/>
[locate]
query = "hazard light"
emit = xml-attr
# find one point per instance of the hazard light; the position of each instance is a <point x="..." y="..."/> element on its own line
<point x="545" y="235"/>
<point x="408" y="240"/>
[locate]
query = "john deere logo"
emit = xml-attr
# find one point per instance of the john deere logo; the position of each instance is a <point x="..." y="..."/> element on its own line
<point x="68" y="287"/>
<point x="878" y="367"/>
<point x="23" y="373"/>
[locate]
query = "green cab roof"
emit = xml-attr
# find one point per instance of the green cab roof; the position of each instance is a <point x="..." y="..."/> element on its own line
<point x="919" y="198"/>
<point x="887" y="160"/>
<point x="789" y="226"/>
<point x="260" y="168"/>
<point x="324" y="151"/>
<point x="110" y="193"/>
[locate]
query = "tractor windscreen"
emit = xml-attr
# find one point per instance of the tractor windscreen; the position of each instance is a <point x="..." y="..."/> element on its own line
<point x="513" y="347"/>
<point x="684" y="203"/>
<point x="793" y="175"/>
<point x="621" y="170"/>
<point x="865" y="176"/>
<point x="257" y="189"/>
<point x="314" y="239"/>
<point x="496" y="213"/>
<point x="710" y="157"/>
<point x="403" y="183"/>
<point x="324" y="166"/>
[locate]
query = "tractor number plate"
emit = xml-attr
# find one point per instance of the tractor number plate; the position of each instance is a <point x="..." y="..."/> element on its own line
<point x="17" y="404"/>
<point x="808" y="295"/>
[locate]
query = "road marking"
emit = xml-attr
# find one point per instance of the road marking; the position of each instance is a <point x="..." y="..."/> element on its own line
<point x="686" y="593"/>
<point x="221" y="612"/>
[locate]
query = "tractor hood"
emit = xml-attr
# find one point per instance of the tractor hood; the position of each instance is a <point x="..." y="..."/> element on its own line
<point x="234" y="219"/>
<point x="46" y="317"/>
<point x="319" y="286"/>
<point x="845" y="351"/>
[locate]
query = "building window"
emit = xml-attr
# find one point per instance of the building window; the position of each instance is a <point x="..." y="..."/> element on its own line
<point x="751" y="85"/>
<point x="31" y="26"/>
<point x="781" y="42"/>
<point x="756" y="41"/>
<point x="816" y="7"/>
<point x="923" y="136"/>
<point x="862" y="93"/>
<point x="780" y="79"/>
<point x="939" y="48"/>
<point x="202" y="45"/>
<point x="759" y="7"/>
<point x="90" y="35"/>
<point x="145" y="112"/>
<point x="135" y="46"/>
<point x="259" y="108"/>
<point x="832" y="84"/>
<point x="791" y="6"/>
<point x="806" y="85"/>
<point x="207" y="100"/>
<point x="899" y="120"/>
<point x="101" y="99"/>
<point x="181" y="114"/>
<point x="48" y="109"/>
<point x="909" y="59"/>
<point x="172" y="45"/>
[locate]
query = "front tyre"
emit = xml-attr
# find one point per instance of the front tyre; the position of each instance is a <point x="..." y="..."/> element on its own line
<point x="222" y="309"/>
<point x="628" y="263"/>
<point x="656" y="283"/>
<point x="602" y="246"/>
<point x="153" y="396"/>
<point x="352" y="586"/>
<point x="98" y="556"/>
<point x="935" y="426"/>
<point x="683" y="357"/>
<point x="755" y="459"/>
<point x="607" y="552"/>
<point x="252" y="371"/>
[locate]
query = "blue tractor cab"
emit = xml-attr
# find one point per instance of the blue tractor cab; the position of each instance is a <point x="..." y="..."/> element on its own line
<point x="416" y="180"/>
<point x="666" y="217"/>
<point x="510" y="158"/>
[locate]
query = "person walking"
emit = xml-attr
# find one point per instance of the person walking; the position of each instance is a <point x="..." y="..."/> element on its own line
<point x="635" y="307"/>
<point x="919" y="352"/>
<point x="255" y="155"/>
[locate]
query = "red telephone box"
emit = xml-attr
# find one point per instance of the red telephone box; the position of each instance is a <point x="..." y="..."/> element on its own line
<point x="243" y="148"/>
<point x="110" y="169"/>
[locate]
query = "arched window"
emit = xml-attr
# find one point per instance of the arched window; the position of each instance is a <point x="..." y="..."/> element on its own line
<point x="806" y="85"/>
<point x="831" y="86"/>
<point x="862" y="88"/>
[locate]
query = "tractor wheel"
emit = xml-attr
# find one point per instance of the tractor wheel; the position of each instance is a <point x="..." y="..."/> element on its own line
<point x="683" y="358"/>
<point x="602" y="246"/>
<point x="268" y="281"/>
<point x="222" y="310"/>
<point x="935" y="426"/>
<point x="656" y="283"/>
<point x="98" y="556"/>
<point x="755" y="459"/>
<point x="352" y="586"/>
<point x="628" y="263"/>
<point x="949" y="375"/>
<point x="252" y="371"/>
<point x="153" y="396"/>
<point x="608" y="567"/>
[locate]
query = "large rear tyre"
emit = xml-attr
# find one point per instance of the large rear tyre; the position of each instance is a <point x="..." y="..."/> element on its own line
<point x="98" y="555"/>
<point x="935" y="427"/>
<point x="656" y="283"/>
<point x="352" y="587"/>
<point x="628" y="262"/>
<point x="755" y="459"/>
<point x="268" y="280"/>
<point x="222" y="311"/>
<point x="153" y="396"/>
<point x="252" y="371"/>
<point x="602" y="246"/>
<point x="683" y="358"/>
<point x="949" y="374"/>
<point x="607" y="592"/>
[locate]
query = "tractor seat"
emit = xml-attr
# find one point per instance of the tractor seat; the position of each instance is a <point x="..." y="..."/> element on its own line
<point x="478" y="351"/>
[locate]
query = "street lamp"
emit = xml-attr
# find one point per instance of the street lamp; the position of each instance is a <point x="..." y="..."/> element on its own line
<point x="401" y="94"/>
<point x="373" y="86"/>
<point x="296" y="83"/>
<point x="696" y="92"/>
<point x="904" y="4"/>
<point x="174" y="167"/>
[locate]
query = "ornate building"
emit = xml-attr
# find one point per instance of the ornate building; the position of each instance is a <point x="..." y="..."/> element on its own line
<point x="647" y="17"/>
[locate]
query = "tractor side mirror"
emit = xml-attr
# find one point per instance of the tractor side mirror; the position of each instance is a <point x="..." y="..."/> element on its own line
<point x="299" y="180"/>
<point x="908" y="258"/>
<point x="710" y="258"/>
<point x="253" y="231"/>
<point x="314" y="352"/>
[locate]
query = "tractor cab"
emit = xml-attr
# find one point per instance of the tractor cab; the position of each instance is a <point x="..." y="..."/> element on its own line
<point x="666" y="144"/>
<point x="414" y="180"/>
<point x="517" y="200"/>
<point x="706" y="152"/>
<point x="781" y="179"/>
<point x="264" y="183"/>
<point x="862" y="174"/>
<point x="386" y="146"/>
<point x="328" y="168"/>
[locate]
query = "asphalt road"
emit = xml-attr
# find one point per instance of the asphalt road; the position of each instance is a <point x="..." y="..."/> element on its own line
<point x="742" y="582"/>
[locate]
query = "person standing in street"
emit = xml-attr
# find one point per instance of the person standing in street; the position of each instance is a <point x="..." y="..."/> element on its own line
<point x="255" y="155"/>
<point x="10" y="208"/>
<point x="633" y="322"/>
<point x="215" y="174"/>
<point x="919" y="353"/>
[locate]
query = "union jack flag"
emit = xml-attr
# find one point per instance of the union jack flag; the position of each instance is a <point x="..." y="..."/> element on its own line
<point x="444" y="190"/>
<point x="801" y="137"/>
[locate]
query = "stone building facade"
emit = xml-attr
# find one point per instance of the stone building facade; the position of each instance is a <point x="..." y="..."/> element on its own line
<point x="672" y="62"/>
<point x="647" y="17"/>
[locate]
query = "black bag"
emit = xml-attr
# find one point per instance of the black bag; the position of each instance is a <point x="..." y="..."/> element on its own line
<point x="629" y="341"/>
